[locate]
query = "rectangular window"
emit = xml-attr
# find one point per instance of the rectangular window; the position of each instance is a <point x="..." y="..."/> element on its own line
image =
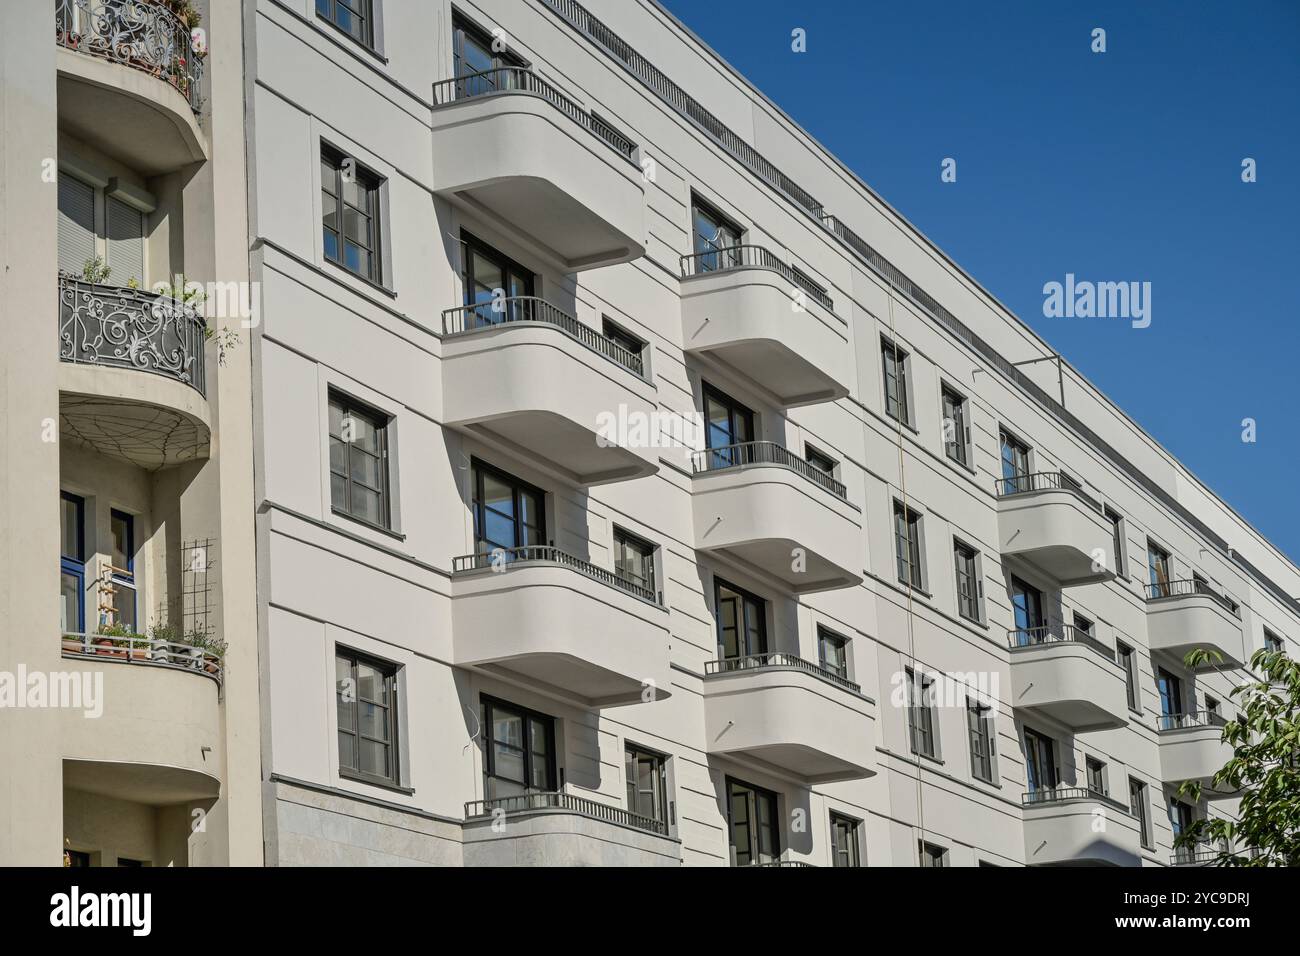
<point x="979" y="723"/>
<point x="742" y="621"/>
<point x="1158" y="569"/>
<point x="518" y="751"/>
<point x="1096" y="772"/>
<point x="846" y="849"/>
<point x="358" y="461"/>
<point x="1137" y="804"/>
<point x="1015" y="465"/>
<point x="1040" y="762"/>
<point x="350" y="214"/>
<point x="622" y="337"/>
<point x="1171" y="697"/>
<point x="122" y="569"/>
<point x="634" y="560"/>
<point x="727" y="424"/>
<point x="647" y="784"/>
<point x="1117" y="537"/>
<point x="1128" y="660"/>
<point x="907" y="545"/>
<point x="498" y="288"/>
<point x="752" y="824"/>
<point x="1272" y="643"/>
<point x="895" y="366"/>
<point x="509" y="513"/>
<point x="931" y="855"/>
<point x="968" y="583"/>
<point x="714" y="238"/>
<point x="920" y="714"/>
<point x="484" y="62"/>
<point x="1181" y="817"/>
<point x="366" y="698"/>
<point x="823" y="463"/>
<point x="956" y="431"/>
<point x="72" y="563"/>
<point x="833" y="652"/>
<point x="1026" y="611"/>
<point x="353" y="17"/>
<point x="1083" y="627"/>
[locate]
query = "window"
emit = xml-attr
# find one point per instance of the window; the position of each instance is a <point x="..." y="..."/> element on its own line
<point x="845" y="841"/>
<point x="752" y="824"/>
<point x="727" y="424"/>
<point x="956" y="431"/>
<point x="474" y="55"/>
<point x="833" y="652"/>
<point x="907" y="545"/>
<point x="1128" y="660"/>
<point x="496" y="286"/>
<point x="932" y="855"/>
<point x="622" y="337"/>
<point x="823" y="463"/>
<point x="1181" y="816"/>
<point x="742" y="621"/>
<point x="634" y="560"/>
<point x="1015" y="465"/>
<point x="711" y="231"/>
<point x="895" y="365"/>
<point x="1137" y="804"/>
<point x="123" y="568"/>
<point x="1158" y="568"/>
<point x="968" y="583"/>
<point x="72" y="563"/>
<point x="366" y="697"/>
<point x="508" y="512"/>
<point x="1096" y="773"/>
<point x="979" y="723"/>
<point x="647" y="784"/>
<point x="1171" y="696"/>
<point x="519" y="750"/>
<point x="1272" y="643"/>
<point x="1212" y="714"/>
<point x="1083" y="628"/>
<point x="353" y="17"/>
<point x="1040" y="762"/>
<point x="920" y="714"/>
<point x="350" y="214"/>
<point x="94" y="223"/>
<point x="358" y="461"/>
<point x="1026" y="611"/>
<point x="1117" y="536"/>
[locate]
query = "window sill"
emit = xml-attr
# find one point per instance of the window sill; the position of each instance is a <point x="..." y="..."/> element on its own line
<point x="373" y="782"/>
<point x="333" y="30"/>
<point x="969" y="469"/>
<point x="908" y="425"/>
<point x="916" y="590"/>
<point x="937" y="761"/>
<point x="395" y="535"/>
<point x="972" y="620"/>
<point x="368" y="282"/>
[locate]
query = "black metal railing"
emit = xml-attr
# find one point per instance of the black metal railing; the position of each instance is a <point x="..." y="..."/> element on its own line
<point x="1049" y="795"/>
<point x="137" y="33"/>
<point x="1198" y="718"/>
<point x="503" y="559"/>
<point x="1052" y="633"/>
<point x="726" y="258"/>
<point x="763" y="453"/>
<point x="1043" y="481"/>
<point x="1184" y="587"/>
<point x="139" y="649"/>
<point x="517" y="79"/>
<point x="556" y="800"/>
<point x="776" y="660"/>
<point x="529" y="308"/>
<point x="795" y="863"/>
<point x="131" y="328"/>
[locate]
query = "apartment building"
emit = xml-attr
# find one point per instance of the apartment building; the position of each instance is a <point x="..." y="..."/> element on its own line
<point x="127" y="736"/>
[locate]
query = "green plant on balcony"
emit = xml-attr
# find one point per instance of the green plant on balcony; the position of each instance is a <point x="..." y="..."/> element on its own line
<point x="210" y="650"/>
<point x="96" y="271"/>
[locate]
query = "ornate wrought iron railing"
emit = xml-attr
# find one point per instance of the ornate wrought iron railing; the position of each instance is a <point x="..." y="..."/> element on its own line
<point x="139" y="649"/>
<point x="503" y="559"/>
<point x="1184" y="587"/>
<point x="1043" y="481"/>
<point x="131" y="328"/>
<point x="556" y="800"/>
<point x="763" y="453"/>
<point x="729" y="665"/>
<point x="529" y="308"/>
<point x="1198" y="718"/>
<point x="1066" y="633"/>
<point x="725" y="258"/>
<point x="143" y="35"/>
<point x="517" y="79"/>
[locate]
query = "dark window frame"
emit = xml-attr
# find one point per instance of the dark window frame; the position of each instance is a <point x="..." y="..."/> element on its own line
<point x="894" y="356"/>
<point x="389" y="672"/>
<point x="1117" y="539"/>
<point x="846" y="841"/>
<point x="646" y="550"/>
<point x="371" y="184"/>
<point x="1014" y="462"/>
<point x="931" y="855"/>
<point x="367" y="18"/>
<point x="708" y="259"/>
<point x="922" y="725"/>
<point x="1127" y="658"/>
<point x="959" y="448"/>
<point x="511" y="272"/>
<point x="75" y="565"/>
<point x="632" y="785"/>
<point x="966" y="564"/>
<point x="745" y="599"/>
<point x="518" y="488"/>
<point x="826" y="636"/>
<point x="380" y="421"/>
<point x="982" y="736"/>
<point x="1139" y="806"/>
<point x="1095" y="775"/>
<point x="126" y="576"/>
<point x="754" y="821"/>
<point x="907" y="537"/>
<point x="740" y="417"/>
<point x="488" y="706"/>
<point x="820" y="460"/>
<point x="621" y="337"/>
<point x="1040" y="745"/>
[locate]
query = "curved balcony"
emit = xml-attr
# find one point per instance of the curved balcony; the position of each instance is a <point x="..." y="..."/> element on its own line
<point x="1074" y="826"/>
<point x="749" y="310"/>
<point x="1185" y="615"/>
<point x="508" y="143"/>
<point x="562" y="829"/>
<point x="132" y="374"/>
<point x="527" y="376"/>
<point x="769" y="510"/>
<point x="1068" y="675"/>
<point x="1192" y="749"/>
<point x="1047" y="521"/>
<point x="129" y="82"/>
<point x="560" y="624"/>
<point x="783" y="712"/>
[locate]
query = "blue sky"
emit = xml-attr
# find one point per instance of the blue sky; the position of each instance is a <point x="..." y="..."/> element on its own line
<point x="1119" y="166"/>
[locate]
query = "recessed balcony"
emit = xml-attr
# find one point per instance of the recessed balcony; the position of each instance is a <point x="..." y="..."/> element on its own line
<point x="1047" y="521"/>
<point x="129" y="80"/>
<point x="1183" y="616"/>
<point x="509" y="144"/>
<point x="786" y="713"/>
<point x="1069" y="676"/>
<point x="1192" y="749"/>
<point x="1074" y="826"/>
<point x="560" y="624"/>
<point x="770" y="511"/>
<point x="746" y="308"/>
<point x="563" y="829"/>
<point x="526" y="376"/>
<point x="131" y="378"/>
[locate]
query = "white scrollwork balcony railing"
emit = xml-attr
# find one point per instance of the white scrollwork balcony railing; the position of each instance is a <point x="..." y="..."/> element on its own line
<point x="131" y="328"/>
<point x="143" y="35"/>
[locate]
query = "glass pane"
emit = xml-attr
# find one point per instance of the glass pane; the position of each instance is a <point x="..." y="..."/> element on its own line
<point x="338" y="493"/>
<point x="374" y="758"/>
<point x="366" y="469"/>
<point x="373" y="720"/>
<point x="338" y="456"/>
<point x="329" y="212"/>
<point x="122" y="545"/>
<point x="366" y="505"/>
<point x="70" y="528"/>
<point x="124" y="605"/>
<point x="69" y="603"/>
<point x="370" y="683"/>
<point x="347" y="751"/>
<point x="498" y="495"/>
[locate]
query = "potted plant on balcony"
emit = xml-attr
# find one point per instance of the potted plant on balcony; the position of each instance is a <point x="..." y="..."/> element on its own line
<point x="95" y="271"/>
<point x="114" y="640"/>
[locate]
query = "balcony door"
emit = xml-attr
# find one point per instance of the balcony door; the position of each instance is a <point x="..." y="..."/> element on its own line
<point x="1158" y="568"/>
<point x="519" y="751"/>
<point x="1027" y="610"/>
<point x="508" y="513"/>
<point x="1015" y="465"/>
<point x="480" y="68"/>
<point x="727" y="424"/>
<point x="72" y="563"/>
<point x="752" y="824"/>
<point x="488" y="277"/>
<point x="94" y="225"/>
<point x="742" y="622"/>
<point x="711" y="232"/>
<point x="1171" y="695"/>
<point x="1040" y="762"/>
